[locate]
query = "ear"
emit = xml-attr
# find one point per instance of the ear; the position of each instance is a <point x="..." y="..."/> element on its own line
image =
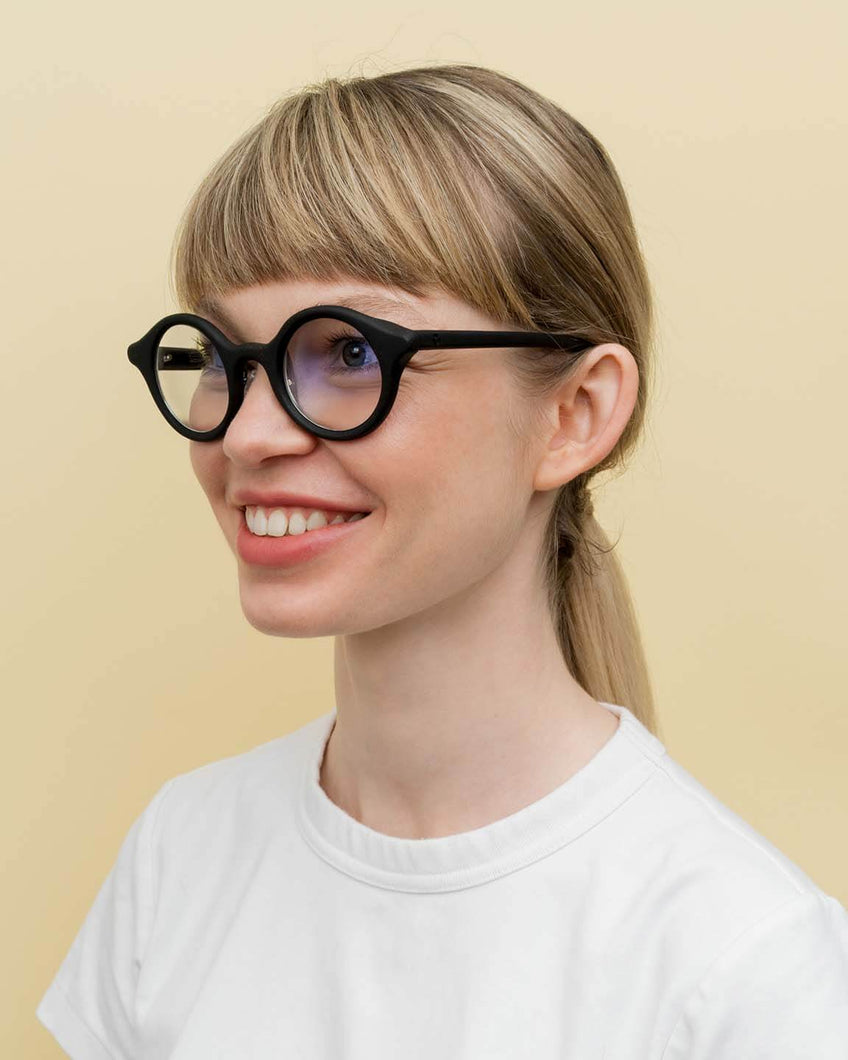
<point x="585" y="417"/>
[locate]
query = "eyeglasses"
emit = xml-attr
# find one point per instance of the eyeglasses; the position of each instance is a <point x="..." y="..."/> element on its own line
<point x="335" y="370"/>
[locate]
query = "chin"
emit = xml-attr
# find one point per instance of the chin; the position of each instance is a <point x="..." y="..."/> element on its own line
<point x="274" y="613"/>
<point x="275" y="626"/>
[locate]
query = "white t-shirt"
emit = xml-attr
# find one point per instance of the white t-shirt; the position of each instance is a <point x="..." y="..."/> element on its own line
<point x="626" y="915"/>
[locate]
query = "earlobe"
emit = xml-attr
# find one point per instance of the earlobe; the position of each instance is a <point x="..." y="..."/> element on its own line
<point x="592" y="408"/>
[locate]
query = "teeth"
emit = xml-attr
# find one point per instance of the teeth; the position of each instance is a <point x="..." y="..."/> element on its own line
<point x="315" y="520"/>
<point x="275" y="522"/>
<point x="297" y="524"/>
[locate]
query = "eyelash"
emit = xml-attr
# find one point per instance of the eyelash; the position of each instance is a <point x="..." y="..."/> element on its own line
<point x="209" y="351"/>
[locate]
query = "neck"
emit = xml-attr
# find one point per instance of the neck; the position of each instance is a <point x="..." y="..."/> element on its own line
<point x="457" y="716"/>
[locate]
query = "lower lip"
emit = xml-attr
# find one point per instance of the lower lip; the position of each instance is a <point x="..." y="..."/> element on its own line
<point x="267" y="551"/>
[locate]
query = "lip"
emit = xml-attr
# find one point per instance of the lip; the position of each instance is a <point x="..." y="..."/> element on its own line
<point x="291" y="500"/>
<point x="267" y="551"/>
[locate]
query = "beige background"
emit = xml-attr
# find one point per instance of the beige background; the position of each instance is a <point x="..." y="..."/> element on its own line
<point x="125" y="656"/>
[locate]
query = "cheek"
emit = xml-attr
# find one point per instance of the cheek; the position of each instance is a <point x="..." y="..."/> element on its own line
<point x="451" y="473"/>
<point x="450" y="412"/>
<point x="452" y="439"/>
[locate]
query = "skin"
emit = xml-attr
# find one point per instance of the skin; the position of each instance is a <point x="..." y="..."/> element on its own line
<point x="454" y="705"/>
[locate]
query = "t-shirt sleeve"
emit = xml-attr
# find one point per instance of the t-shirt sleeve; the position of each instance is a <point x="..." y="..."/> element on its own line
<point x="89" y="1007"/>
<point x="778" y="992"/>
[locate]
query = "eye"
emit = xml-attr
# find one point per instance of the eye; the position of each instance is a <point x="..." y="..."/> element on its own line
<point x="352" y="355"/>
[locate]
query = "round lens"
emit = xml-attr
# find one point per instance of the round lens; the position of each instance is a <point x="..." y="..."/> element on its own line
<point x="191" y="377"/>
<point x="332" y="373"/>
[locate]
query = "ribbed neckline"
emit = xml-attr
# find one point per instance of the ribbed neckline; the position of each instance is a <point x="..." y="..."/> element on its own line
<point x="625" y="762"/>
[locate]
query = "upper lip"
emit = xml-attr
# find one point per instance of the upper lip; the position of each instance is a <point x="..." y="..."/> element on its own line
<point x="289" y="500"/>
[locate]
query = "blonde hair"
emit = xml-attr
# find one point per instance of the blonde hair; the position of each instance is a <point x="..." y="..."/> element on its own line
<point x="457" y="177"/>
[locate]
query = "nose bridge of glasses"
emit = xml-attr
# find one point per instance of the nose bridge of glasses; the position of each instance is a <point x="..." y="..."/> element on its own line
<point x="250" y="356"/>
<point x="255" y="377"/>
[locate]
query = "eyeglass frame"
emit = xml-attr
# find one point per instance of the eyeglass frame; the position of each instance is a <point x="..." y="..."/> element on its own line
<point x="392" y="344"/>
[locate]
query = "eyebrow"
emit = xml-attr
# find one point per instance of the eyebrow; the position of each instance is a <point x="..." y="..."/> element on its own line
<point x="364" y="302"/>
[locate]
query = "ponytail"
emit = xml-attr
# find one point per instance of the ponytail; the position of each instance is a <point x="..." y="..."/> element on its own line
<point x="594" y="618"/>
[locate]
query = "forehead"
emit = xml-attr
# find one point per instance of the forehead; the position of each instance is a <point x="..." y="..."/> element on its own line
<point x="266" y="308"/>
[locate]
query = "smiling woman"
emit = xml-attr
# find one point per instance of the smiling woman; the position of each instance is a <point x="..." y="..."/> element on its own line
<point x="420" y="297"/>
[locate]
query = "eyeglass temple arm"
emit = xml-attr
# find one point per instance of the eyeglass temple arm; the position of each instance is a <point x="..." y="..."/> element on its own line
<point x="454" y="340"/>
<point x="171" y="358"/>
<point x="174" y="358"/>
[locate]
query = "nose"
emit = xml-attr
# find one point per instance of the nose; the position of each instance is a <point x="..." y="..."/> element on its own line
<point x="262" y="428"/>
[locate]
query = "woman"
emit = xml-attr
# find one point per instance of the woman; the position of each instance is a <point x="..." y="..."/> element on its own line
<point x="484" y="850"/>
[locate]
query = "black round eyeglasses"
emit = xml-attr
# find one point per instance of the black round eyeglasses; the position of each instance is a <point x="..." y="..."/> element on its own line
<point x="335" y="370"/>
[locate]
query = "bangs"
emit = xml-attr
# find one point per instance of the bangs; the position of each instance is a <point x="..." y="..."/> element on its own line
<point x="349" y="182"/>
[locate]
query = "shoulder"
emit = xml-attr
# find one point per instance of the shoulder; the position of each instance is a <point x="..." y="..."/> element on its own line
<point x="240" y="790"/>
<point x="723" y="844"/>
<point x="777" y="989"/>
<point x="751" y="944"/>
<point x="699" y="845"/>
<point x="195" y="835"/>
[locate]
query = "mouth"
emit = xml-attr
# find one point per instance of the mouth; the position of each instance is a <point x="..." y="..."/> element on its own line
<point x="267" y="545"/>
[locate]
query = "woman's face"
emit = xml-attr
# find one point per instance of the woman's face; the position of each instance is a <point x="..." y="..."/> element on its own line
<point x="446" y="477"/>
